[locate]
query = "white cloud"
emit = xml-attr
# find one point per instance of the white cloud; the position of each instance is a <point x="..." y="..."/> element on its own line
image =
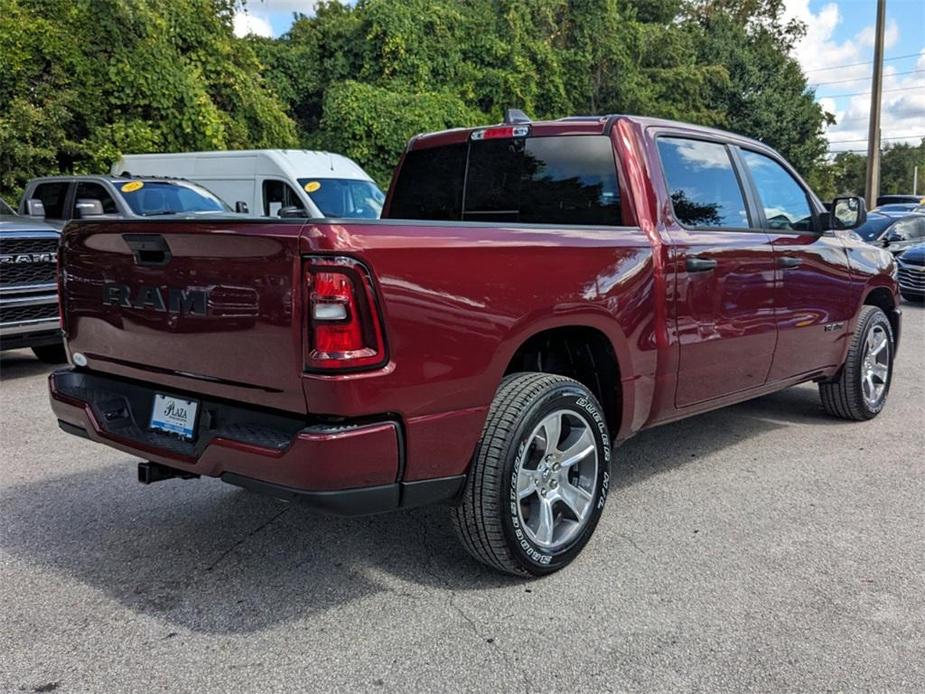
<point x="245" y="24"/>
<point x="824" y="59"/>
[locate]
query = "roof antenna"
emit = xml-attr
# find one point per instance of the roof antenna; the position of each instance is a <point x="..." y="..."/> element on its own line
<point x="515" y="115"/>
<point x="331" y="160"/>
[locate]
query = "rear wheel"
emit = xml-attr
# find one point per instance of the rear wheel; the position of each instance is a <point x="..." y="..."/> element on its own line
<point x="860" y="390"/>
<point x="51" y="354"/>
<point x="539" y="478"/>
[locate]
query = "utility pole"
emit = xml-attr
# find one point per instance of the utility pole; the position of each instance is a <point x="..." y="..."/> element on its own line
<point x="872" y="187"/>
<point x="915" y="180"/>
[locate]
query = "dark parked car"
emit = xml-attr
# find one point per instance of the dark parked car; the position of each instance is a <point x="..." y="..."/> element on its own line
<point x="58" y="199"/>
<point x="900" y="208"/>
<point x="28" y="286"/>
<point x="911" y="273"/>
<point x="891" y="199"/>
<point x="892" y="232"/>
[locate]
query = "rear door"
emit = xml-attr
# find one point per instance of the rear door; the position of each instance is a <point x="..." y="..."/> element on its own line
<point x="207" y="307"/>
<point x="724" y="282"/>
<point x="812" y="297"/>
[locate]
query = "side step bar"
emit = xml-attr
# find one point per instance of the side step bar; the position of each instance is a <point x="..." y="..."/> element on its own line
<point x="149" y="473"/>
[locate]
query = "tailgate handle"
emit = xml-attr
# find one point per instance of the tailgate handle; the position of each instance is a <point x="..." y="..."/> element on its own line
<point x="148" y="249"/>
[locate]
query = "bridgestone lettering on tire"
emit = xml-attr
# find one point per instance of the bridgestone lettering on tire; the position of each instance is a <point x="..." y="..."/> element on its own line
<point x="539" y="478"/>
<point x="860" y="390"/>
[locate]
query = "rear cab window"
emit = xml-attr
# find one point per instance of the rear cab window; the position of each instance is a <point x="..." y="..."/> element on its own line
<point x="568" y="180"/>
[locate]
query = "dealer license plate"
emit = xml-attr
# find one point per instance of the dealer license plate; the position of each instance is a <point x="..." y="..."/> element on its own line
<point x="174" y="415"/>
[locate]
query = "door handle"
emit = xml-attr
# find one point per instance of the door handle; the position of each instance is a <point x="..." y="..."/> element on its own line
<point x="788" y="261"/>
<point x="696" y="264"/>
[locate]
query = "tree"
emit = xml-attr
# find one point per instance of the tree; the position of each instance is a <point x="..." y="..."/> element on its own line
<point x="87" y="80"/>
<point x="897" y="164"/>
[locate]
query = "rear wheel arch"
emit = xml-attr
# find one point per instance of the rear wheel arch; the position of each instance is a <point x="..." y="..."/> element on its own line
<point x="583" y="353"/>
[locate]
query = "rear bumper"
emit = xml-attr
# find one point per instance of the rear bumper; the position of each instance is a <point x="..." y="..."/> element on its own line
<point x="347" y="468"/>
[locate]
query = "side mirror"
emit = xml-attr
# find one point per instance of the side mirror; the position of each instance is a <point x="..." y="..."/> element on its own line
<point x="35" y="208"/>
<point x="86" y="207"/>
<point x="292" y="211"/>
<point x="241" y="206"/>
<point x="848" y="212"/>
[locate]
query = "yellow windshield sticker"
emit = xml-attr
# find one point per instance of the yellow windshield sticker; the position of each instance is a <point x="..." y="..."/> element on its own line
<point x="312" y="186"/>
<point x="132" y="186"/>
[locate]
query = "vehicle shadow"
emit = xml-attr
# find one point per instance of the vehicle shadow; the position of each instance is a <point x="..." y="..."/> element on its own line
<point x="212" y="558"/>
<point x="20" y="363"/>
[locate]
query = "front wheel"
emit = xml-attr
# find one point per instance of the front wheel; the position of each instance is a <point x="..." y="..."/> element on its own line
<point x="539" y="477"/>
<point x="859" y="391"/>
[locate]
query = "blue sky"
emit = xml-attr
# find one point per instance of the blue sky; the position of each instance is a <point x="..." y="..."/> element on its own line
<point x="836" y="56"/>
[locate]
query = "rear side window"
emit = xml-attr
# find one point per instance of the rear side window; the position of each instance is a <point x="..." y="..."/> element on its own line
<point x="52" y="196"/>
<point x="542" y="180"/>
<point x="704" y="189"/>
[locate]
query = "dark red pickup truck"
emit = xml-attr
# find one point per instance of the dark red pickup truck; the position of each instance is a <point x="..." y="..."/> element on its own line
<point x="534" y="293"/>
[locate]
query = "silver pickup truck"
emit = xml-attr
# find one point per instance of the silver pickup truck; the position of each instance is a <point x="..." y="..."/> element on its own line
<point x="28" y="286"/>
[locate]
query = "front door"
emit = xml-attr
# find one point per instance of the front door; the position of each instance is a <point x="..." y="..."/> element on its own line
<point x="813" y="297"/>
<point x="724" y="274"/>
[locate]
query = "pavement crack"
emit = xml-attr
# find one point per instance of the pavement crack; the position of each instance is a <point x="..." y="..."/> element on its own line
<point x="244" y="539"/>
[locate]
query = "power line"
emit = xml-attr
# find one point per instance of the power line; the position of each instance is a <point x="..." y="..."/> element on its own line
<point x="866" y="62"/>
<point x="864" y="139"/>
<point x="895" y="89"/>
<point x="858" y="79"/>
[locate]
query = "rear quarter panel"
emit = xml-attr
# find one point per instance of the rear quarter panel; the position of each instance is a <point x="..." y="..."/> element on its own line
<point x="459" y="299"/>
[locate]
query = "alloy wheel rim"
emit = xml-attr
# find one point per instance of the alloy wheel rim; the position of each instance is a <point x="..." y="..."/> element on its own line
<point x="556" y="479"/>
<point x="875" y="365"/>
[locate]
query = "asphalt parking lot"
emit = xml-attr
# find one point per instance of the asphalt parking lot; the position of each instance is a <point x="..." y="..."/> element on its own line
<point x="761" y="547"/>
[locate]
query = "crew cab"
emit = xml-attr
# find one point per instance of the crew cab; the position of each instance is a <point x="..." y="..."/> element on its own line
<point x="534" y="294"/>
<point x="59" y="199"/>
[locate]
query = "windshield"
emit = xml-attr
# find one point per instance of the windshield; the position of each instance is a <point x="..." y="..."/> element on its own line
<point x="5" y="209"/>
<point x="873" y="227"/>
<point x="149" y="198"/>
<point x="344" y="197"/>
<point x="897" y="207"/>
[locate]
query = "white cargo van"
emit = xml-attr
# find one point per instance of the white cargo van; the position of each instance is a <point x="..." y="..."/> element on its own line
<point x="270" y="182"/>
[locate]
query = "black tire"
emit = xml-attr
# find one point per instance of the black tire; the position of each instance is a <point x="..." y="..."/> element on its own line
<point x="51" y="354"/>
<point x="486" y="519"/>
<point x="843" y="396"/>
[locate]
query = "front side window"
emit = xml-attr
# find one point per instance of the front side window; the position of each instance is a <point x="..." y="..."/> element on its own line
<point x="785" y="204"/>
<point x="703" y="186"/>
<point x="344" y="198"/>
<point x="568" y="180"/>
<point x="276" y="196"/>
<point x="52" y="196"/>
<point x="94" y="191"/>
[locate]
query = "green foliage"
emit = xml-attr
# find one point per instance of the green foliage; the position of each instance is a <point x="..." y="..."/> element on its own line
<point x="897" y="165"/>
<point x="86" y="80"/>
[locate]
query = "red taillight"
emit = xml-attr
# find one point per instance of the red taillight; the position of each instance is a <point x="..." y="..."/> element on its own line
<point x="343" y="327"/>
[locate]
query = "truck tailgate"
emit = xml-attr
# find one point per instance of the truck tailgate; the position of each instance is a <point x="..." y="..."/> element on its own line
<point x="209" y="307"/>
